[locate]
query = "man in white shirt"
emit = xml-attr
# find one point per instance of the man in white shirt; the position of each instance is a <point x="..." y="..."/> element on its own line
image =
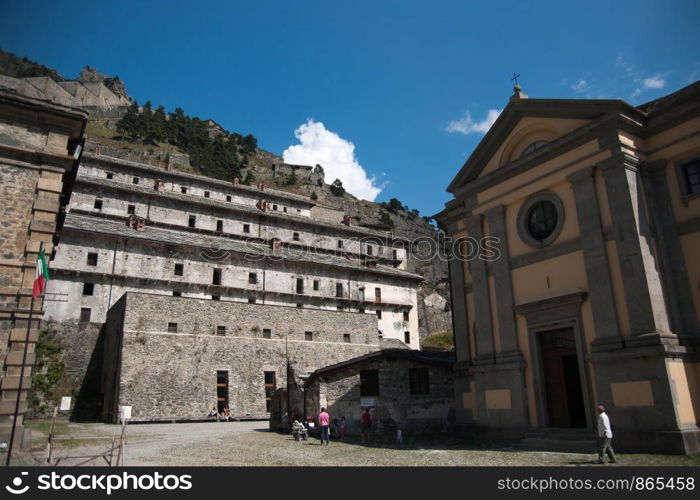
<point x="604" y="437"/>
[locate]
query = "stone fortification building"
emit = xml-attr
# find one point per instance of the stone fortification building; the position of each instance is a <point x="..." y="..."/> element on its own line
<point x="38" y="158"/>
<point x="242" y="251"/>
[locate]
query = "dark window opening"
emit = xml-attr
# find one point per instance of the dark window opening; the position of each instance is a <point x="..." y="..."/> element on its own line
<point x="284" y="209"/>
<point x="316" y="284"/>
<point x="300" y="285"/>
<point x="542" y="220"/>
<point x="192" y="221"/>
<point x="98" y="204"/>
<point x="379" y="315"/>
<point x="274" y="207"/>
<point x="534" y="147"/>
<point x="338" y="289"/>
<point x="135" y="180"/>
<point x="251" y="300"/>
<point x="395" y="254"/>
<point x="295" y="236"/>
<point x="407" y="337"/>
<point x="253" y="278"/>
<point x="299" y="306"/>
<point x="370" y="250"/>
<point x="216" y="297"/>
<point x="362" y="310"/>
<point x="131" y="209"/>
<point x="221" y="330"/>
<point x="339" y="308"/>
<point x="267" y="333"/>
<point x="179" y="269"/>
<point x="246" y="228"/>
<point x="220" y="226"/>
<point x="380" y="334"/>
<point x="172" y="327"/>
<point x="91" y="259"/>
<point x="216" y="277"/>
<point x="418" y="381"/>
<point x="110" y="175"/>
<point x="85" y="314"/>
<point x="405" y="315"/>
<point x="177" y="294"/>
<point x="221" y="390"/>
<point x="206" y="194"/>
<point x="369" y="383"/>
<point x="228" y="198"/>
<point x="183" y="190"/>
<point x="308" y="335"/>
<point x="340" y="243"/>
<point x="377" y="294"/>
<point x="691" y="172"/>
<point x="270" y="386"/>
<point x="346" y="338"/>
<point x="88" y="288"/>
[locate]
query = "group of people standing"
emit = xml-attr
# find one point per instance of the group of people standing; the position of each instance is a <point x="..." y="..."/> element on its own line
<point x="327" y="427"/>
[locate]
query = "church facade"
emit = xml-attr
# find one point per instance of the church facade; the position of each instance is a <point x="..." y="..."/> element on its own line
<point x="575" y="276"/>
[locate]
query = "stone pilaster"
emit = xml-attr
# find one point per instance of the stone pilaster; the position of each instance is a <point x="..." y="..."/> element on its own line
<point x="595" y="256"/>
<point x="480" y="285"/>
<point x="641" y="281"/>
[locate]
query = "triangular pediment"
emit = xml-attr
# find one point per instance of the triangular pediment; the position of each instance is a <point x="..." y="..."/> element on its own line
<point x="527" y="123"/>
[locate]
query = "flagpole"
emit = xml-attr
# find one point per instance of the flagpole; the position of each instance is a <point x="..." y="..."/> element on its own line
<point x="21" y="376"/>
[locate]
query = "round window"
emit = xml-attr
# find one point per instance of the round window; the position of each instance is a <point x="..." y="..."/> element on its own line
<point x="542" y="220"/>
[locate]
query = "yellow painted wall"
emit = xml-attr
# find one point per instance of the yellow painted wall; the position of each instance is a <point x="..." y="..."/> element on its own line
<point x="687" y="388"/>
<point x="566" y="274"/>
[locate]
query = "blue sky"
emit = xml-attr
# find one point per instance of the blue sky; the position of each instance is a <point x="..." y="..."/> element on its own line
<point x="411" y="85"/>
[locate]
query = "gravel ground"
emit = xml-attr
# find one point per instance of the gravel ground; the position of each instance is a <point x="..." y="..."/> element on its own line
<point x="251" y="444"/>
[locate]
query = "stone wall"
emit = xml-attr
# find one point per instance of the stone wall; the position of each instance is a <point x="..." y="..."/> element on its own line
<point x="167" y="374"/>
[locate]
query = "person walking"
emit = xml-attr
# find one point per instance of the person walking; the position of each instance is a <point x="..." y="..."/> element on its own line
<point x="365" y="425"/>
<point x="604" y="437"/>
<point x="324" y="421"/>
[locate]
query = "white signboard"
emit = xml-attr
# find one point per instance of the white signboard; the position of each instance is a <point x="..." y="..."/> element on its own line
<point x="368" y="402"/>
<point x="126" y="412"/>
<point x="65" y="403"/>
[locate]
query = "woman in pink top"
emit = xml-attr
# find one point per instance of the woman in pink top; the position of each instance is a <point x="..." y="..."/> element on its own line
<point x="324" y="420"/>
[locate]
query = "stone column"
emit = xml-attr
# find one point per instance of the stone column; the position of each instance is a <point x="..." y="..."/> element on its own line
<point x="675" y="273"/>
<point x="643" y="291"/>
<point x="459" y="308"/>
<point x="480" y="286"/>
<point x="507" y="328"/>
<point x="595" y="256"/>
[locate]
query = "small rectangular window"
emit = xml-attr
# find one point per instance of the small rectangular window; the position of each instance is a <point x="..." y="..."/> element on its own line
<point x="88" y="288"/>
<point x="338" y="289"/>
<point x="346" y="338"/>
<point x="308" y="335"/>
<point x="379" y="314"/>
<point x="317" y="284"/>
<point x="369" y="249"/>
<point x="362" y="310"/>
<point x="300" y="285"/>
<point x="91" y="259"/>
<point x="369" y="383"/>
<point x="216" y="297"/>
<point x="177" y="294"/>
<point x="339" y="308"/>
<point x="418" y="381"/>
<point x="405" y="315"/>
<point x="206" y="194"/>
<point x="183" y="189"/>
<point x="253" y="278"/>
<point x="407" y="337"/>
<point x="131" y="209"/>
<point x="295" y="236"/>
<point x="135" y="180"/>
<point x="377" y="294"/>
<point x="691" y="172"/>
<point x="228" y="197"/>
<point x="395" y="254"/>
<point x="179" y="268"/>
<point x="300" y="306"/>
<point x="216" y="277"/>
<point x="340" y="243"/>
<point x="270" y="386"/>
<point x="284" y="209"/>
<point x="274" y="207"/>
<point x="221" y="330"/>
<point x="192" y="221"/>
<point x="98" y="204"/>
<point x="251" y="300"/>
<point x="85" y="313"/>
<point x="110" y="175"/>
<point x="246" y="228"/>
<point x="220" y="226"/>
<point x="267" y="333"/>
<point x="172" y="327"/>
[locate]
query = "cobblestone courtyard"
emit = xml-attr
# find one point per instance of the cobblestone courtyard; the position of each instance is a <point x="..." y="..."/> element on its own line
<point x="251" y="444"/>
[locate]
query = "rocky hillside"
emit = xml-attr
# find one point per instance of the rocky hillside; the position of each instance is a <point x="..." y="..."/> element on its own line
<point x="144" y="134"/>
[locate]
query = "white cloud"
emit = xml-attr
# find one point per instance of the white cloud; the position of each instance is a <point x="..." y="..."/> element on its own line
<point x="466" y="125"/>
<point x="335" y="154"/>
<point x="655" y="82"/>
<point x="580" y="86"/>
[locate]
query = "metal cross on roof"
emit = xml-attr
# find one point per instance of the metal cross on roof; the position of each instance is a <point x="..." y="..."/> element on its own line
<point x="515" y="78"/>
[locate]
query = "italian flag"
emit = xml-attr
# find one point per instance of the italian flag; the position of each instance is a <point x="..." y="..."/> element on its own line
<point x="42" y="274"/>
